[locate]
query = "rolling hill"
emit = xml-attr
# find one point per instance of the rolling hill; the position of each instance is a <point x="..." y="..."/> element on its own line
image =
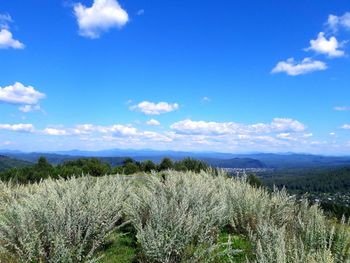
<point x="8" y="163"/>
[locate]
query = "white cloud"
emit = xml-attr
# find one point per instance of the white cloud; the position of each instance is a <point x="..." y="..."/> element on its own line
<point x="346" y="126"/>
<point x="329" y="47"/>
<point x="20" y="94"/>
<point x="187" y="134"/>
<point x="293" y="68"/>
<point x="223" y="128"/>
<point x="55" y="132"/>
<point x="153" y="122"/>
<point x="116" y="129"/>
<point x="335" y="22"/>
<point x="151" y="108"/>
<point x="21" y="127"/>
<point x="7" y="40"/>
<point x="29" y="108"/>
<point x="122" y="130"/>
<point x="100" y="17"/>
<point x="332" y="133"/>
<point x="342" y="108"/>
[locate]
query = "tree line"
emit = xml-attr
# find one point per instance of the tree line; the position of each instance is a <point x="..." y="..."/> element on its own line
<point x="95" y="167"/>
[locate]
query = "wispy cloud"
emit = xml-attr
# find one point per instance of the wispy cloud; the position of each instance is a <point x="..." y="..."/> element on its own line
<point x="21" y="127"/>
<point x="342" y="108"/>
<point x="220" y="128"/>
<point x="205" y="99"/>
<point x="294" y="68"/>
<point x="140" y="12"/>
<point x="100" y="17"/>
<point x="334" y="22"/>
<point x="153" y="122"/>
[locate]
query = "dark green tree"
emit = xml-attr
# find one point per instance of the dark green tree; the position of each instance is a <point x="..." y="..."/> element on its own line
<point x="148" y="166"/>
<point x="166" y="164"/>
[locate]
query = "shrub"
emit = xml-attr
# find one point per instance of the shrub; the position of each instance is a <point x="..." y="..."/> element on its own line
<point x="177" y="217"/>
<point x="175" y="213"/>
<point x="62" y="221"/>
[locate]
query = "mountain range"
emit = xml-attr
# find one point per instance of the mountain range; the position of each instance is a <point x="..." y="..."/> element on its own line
<point x="223" y="160"/>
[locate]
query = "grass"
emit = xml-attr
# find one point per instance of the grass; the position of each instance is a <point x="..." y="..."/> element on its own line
<point x="120" y="248"/>
<point x="240" y="244"/>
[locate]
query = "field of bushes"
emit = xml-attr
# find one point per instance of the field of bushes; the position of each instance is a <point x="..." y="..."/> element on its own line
<point x="166" y="216"/>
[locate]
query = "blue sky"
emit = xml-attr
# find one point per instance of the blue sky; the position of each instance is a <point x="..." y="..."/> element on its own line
<point x="230" y="76"/>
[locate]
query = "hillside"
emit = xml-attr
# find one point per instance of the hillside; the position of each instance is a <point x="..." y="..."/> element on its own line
<point x="324" y="180"/>
<point x="294" y="160"/>
<point x="235" y="163"/>
<point x="56" y="159"/>
<point x="8" y="163"/>
<point x="171" y="217"/>
<point x="228" y="160"/>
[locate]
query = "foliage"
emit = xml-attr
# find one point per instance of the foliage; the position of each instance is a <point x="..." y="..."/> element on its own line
<point x="171" y="215"/>
<point x="94" y="167"/>
<point x="119" y="248"/>
<point x="329" y="180"/>
<point x="61" y="221"/>
<point x="176" y="217"/>
<point x="7" y="163"/>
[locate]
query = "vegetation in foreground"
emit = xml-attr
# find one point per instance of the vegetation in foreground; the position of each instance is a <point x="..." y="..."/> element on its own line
<point x="163" y="217"/>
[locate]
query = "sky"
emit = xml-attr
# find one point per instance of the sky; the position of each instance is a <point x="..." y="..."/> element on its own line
<point x="224" y="76"/>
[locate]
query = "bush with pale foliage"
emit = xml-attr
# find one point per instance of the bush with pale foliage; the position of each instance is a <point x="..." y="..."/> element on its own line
<point x="178" y="217"/>
<point x="60" y="221"/>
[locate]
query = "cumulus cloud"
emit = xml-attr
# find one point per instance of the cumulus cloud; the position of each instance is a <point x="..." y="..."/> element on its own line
<point x="100" y="17"/>
<point x="6" y="37"/>
<point x="222" y="128"/>
<point x="116" y="129"/>
<point x="186" y="134"/>
<point x="342" y="108"/>
<point x="294" y="68"/>
<point x="153" y="122"/>
<point x="335" y="22"/>
<point x="329" y="47"/>
<point x="7" y="40"/>
<point x="346" y="127"/>
<point x="20" y="94"/>
<point x="21" y="127"/>
<point x="151" y="108"/>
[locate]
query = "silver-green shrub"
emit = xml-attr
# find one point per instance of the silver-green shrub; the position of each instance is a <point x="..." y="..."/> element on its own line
<point x="60" y="221"/>
<point x="177" y="213"/>
<point x="283" y="229"/>
<point x="177" y="217"/>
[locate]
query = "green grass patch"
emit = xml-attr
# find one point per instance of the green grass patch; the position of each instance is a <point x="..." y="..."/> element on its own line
<point x="240" y="245"/>
<point x="120" y="248"/>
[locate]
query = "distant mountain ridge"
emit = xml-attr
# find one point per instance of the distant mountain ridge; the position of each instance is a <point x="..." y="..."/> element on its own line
<point x="224" y="160"/>
<point x="8" y="163"/>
